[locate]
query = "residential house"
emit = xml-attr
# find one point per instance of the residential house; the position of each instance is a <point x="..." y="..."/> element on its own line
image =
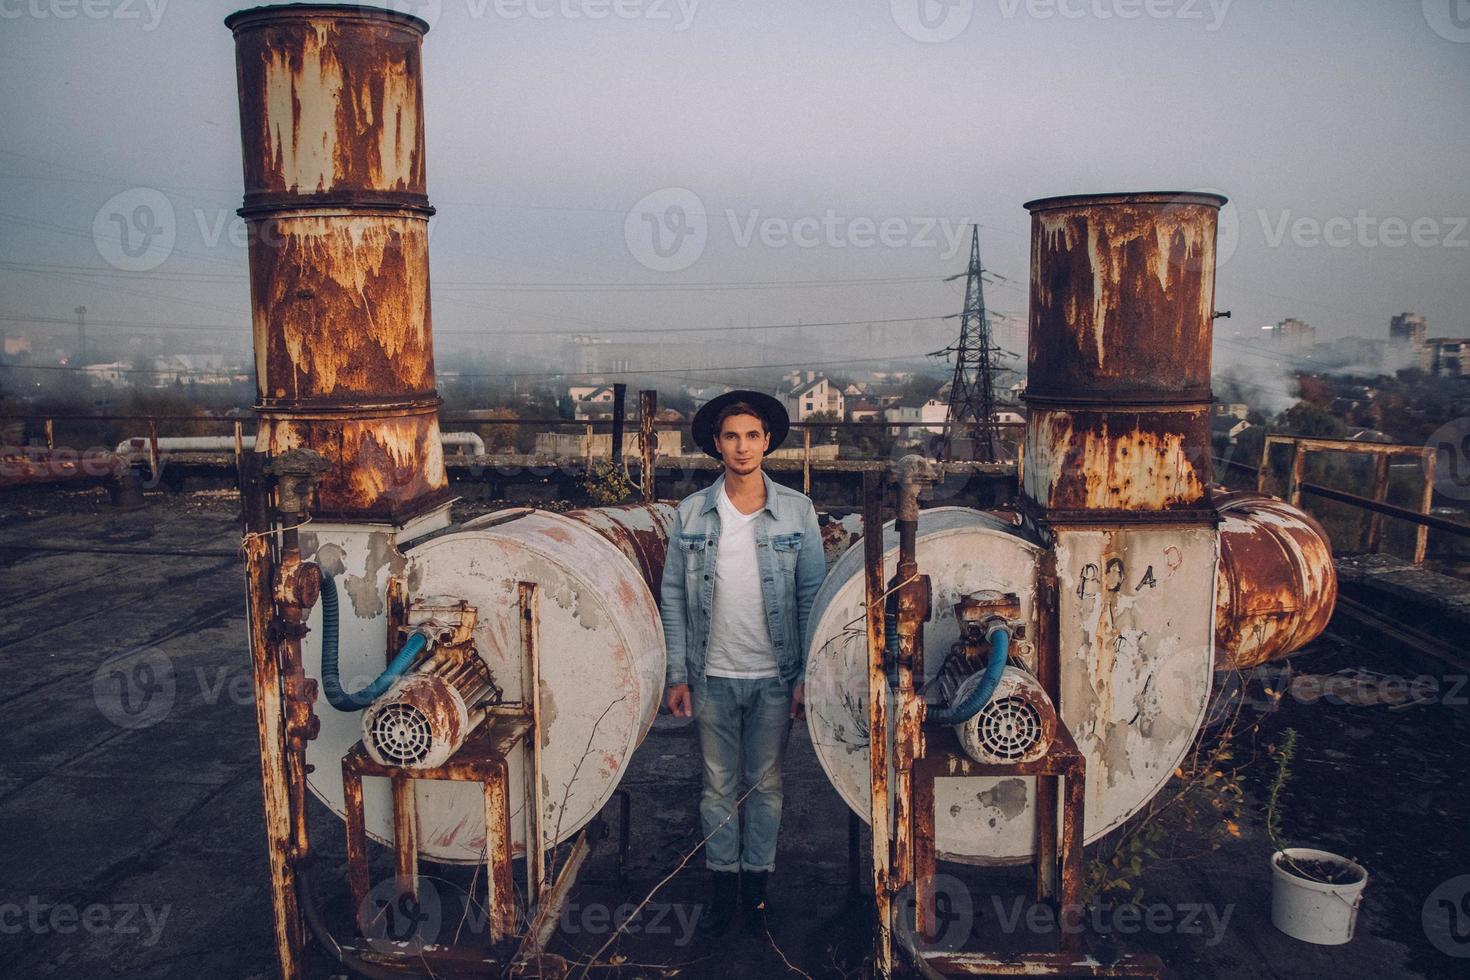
<point x="812" y="395"/>
<point x="1228" y="426"/>
<point x="591" y="402"/>
<point x="703" y="394"/>
<point x="915" y="420"/>
<point x="1238" y="410"/>
<point x="114" y="374"/>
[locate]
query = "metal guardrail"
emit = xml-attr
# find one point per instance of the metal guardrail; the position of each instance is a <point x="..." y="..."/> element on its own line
<point x="807" y="461"/>
<point x="1376" y="506"/>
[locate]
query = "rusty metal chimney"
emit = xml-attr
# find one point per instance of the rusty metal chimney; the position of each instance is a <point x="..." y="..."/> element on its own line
<point x="331" y="127"/>
<point x="1122" y="306"/>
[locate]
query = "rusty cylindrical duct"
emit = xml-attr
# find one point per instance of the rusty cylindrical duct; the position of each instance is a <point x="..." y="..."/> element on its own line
<point x="1118" y="389"/>
<point x="331" y="124"/>
<point x="1277" y="584"/>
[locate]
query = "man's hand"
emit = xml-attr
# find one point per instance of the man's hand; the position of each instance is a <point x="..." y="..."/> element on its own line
<point x="681" y="705"/>
<point x="798" y="702"/>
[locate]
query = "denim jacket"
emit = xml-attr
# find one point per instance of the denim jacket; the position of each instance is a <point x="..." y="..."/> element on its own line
<point x="788" y="547"/>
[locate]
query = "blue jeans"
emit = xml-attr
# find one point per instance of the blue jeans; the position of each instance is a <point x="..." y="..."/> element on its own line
<point x="737" y="719"/>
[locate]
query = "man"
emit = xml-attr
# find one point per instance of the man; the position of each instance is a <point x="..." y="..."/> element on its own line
<point x="744" y="564"/>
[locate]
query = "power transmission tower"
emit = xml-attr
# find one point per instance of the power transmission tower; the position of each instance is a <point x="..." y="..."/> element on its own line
<point x="970" y="427"/>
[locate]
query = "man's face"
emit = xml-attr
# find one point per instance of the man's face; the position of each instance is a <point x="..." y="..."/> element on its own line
<point x="742" y="442"/>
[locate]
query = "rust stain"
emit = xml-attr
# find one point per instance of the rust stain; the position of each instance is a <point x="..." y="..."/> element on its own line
<point x="1122" y="308"/>
<point x="341" y="306"/>
<point x="334" y="101"/>
<point x="639" y="531"/>
<point x="1277" y="584"/>
<point x="1122" y="294"/>
<point x="331" y="109"/>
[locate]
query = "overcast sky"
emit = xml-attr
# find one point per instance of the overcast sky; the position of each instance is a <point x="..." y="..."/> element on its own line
<point x="547" y="125"/>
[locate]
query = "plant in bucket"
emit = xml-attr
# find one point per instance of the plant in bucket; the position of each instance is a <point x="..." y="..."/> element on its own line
<point x="1314" y="894"/>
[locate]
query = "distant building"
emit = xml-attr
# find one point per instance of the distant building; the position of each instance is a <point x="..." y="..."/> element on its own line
<point x="587" y="354"/>
<point x="1449" y="357"/>
<point x="1362" y="353"/>
<point x="701" y="394"/>
<point x="1295" y="335"/>
<point x="1407" y="329"/>
<point x="827" y="450"/>
<point x="114" y="374"/>
<point x="918" y="419"/>
<point x="1407" y="333"/>
<point x="863" y="411"/>
<point x="1238" y="410"/>
<point x="590" y="402"/>
<point x="1228" y="426"/>
<point x="854" y="390"/>
<point x="814" y="394"/>
<point x="573" y="445"/>
<point x="17" y="345"/>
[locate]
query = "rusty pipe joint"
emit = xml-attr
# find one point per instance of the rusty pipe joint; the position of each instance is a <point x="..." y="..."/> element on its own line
<point x="298" y="584"/>
<point x="914" y="474"/>
<point x="298" y="474"/>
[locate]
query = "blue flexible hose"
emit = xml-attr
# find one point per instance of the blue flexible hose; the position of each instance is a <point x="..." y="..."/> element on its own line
<point x="332" y="682"/>
<point x="970" y="706"/>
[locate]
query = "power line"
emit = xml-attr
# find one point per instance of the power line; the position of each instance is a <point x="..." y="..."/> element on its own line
<point x="489" y="333"/>
<point x="528" y="285"/>
<point x="504" y="374"/>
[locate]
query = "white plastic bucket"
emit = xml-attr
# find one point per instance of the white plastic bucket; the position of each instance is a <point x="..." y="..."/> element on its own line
<point x="1314" y="911"/>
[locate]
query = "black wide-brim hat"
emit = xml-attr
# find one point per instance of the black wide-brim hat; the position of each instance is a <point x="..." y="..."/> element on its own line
<point x="778" y="423"/>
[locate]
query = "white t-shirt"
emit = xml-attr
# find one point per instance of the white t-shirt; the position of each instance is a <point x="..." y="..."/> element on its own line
<point x="739" y="642"/>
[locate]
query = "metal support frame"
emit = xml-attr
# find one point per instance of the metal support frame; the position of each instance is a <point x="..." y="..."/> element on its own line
<point x="281" y="589"/>
<point x="882" y="855"/>
<point x="1063" y="762"/>
<point x="482" y="759"/>
<point x="924" y="753"/>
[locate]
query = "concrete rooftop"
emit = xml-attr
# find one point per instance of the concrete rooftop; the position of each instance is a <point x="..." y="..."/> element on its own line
<point x="130" y="806"/>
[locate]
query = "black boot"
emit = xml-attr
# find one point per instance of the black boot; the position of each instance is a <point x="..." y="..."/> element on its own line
<point x="753" y="903"/>
<point x="716" y="917"/>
